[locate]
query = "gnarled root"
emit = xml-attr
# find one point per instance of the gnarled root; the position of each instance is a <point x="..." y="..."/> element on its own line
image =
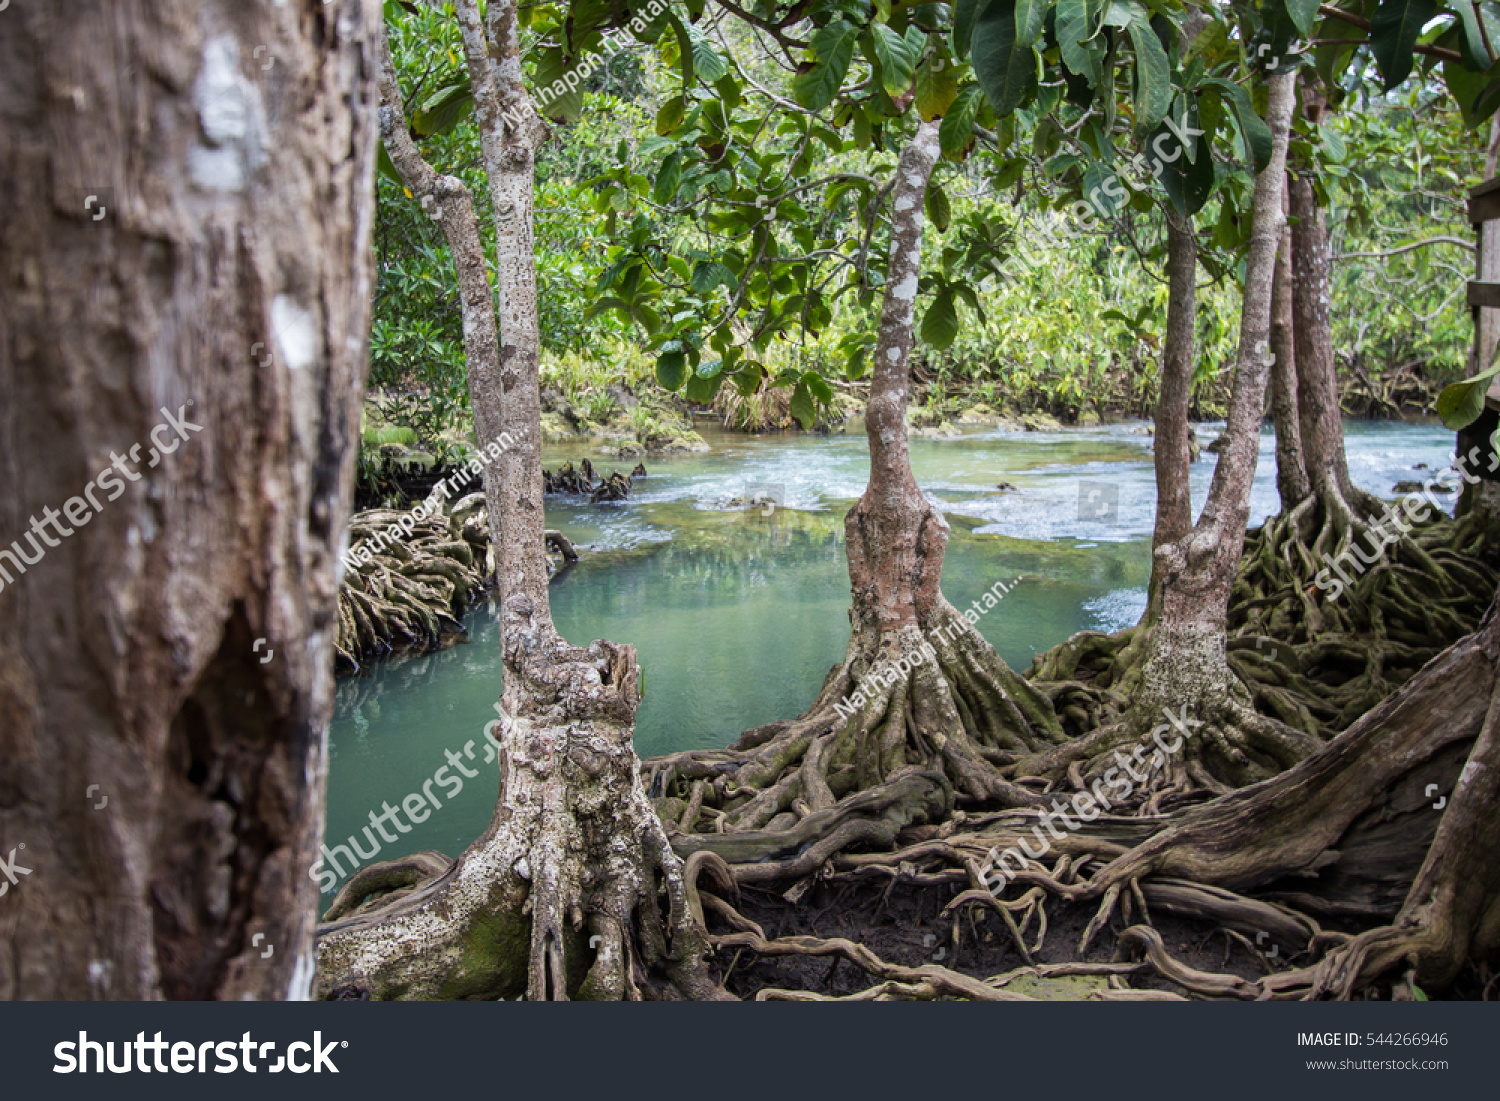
<point x="572" y="891"/>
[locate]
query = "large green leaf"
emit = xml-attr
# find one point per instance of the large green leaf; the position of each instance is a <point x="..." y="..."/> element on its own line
<point x="668" y="176"/>
<point x="1153" y="74"/>
<point x="1189" y="178"/>
<point x="553" y="98"/>
<point x="708" y="63"/>
<point x="898" y="60"/>
<point x="671" y="369"/>
<point x="1472" y="46"/>
<point x="708" y="274"/>
<point x="833" y="47"/>
<point x="701" y="389"/>
<point x="964" y="14"/>
<point x="1081" y="52"/>
<point x="1006" y="71"/>
<point x="1304" y="14"/>
<point x="444" y="109"/>
<point x="803" y="408"/>
<point x="1253" y="128"/>
<point x="1393" y="33"/>
<point x="936" y="86"/>
<point x="1030" y="17"/>
<point x="940" y="326"/>
<point x="1460" y="403"/>
<point x="956" y="133"/>
<point x="939" y="212"/>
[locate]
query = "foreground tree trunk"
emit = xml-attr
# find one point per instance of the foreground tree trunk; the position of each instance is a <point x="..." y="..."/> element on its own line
<point x="562" y="895"/>
<point x="1176" y="663"/>
<point x="186" y="273"/>
<point x="921" y="703"/>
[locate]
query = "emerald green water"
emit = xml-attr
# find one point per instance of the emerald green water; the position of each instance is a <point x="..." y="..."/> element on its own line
<point x="737" y="616"/>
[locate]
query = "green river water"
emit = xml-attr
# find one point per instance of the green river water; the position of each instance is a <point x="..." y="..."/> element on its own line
<point x="738" y="615"/>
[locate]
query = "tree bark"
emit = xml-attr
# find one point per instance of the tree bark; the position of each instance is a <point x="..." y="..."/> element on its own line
<point x="166" y="672"/>
<point x="1173" y="458"/>
<point x="1322" y="429"/>
<point x="1292" y="484"/>
<point x="574" y="847"/>
<point x="448" y="202"/>
<point x="1176" y="658"/>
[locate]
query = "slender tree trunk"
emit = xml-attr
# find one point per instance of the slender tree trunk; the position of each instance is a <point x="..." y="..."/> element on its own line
<point x="563" y="894"/>
<point x="448" y="202"/>
<point x="187" y="242"/>
<point x="1185" y="663"/>
<point x="1176" y="658"/>
<point x="1322" y="428"/>
<point x="1174" y="506"/>
<point x="1291" y="476"/>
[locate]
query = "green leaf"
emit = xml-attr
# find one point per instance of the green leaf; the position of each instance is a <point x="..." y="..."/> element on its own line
<point x="1081" y="53"/>
<point x="956" y="133"/>
<point x="898" y="62"/>
<point x="664" y="190"/>
<point x="1333" y="145"/>
<point x="1153" y="74"/>
<point x="803" y="409"/>
<point x="1394" y="31"/>
<point x="1460" y="403"/>
<point x="936" y="85"/>
<point x="707" y="61"/>
<point x="444" y="109"/>
<point x="965" y="12"/>
<point x="701" y="389"/>
<point x="833" y="47"/>
<point x="1187" y="182"/>
<point x="818" y="386"/>
<point x="708" y="274"/>
<point x="553" y="97"/>
<point x="1005" y="70"/>
<point x="1465" y="87"/>
<point x="940" y="326"/>
<point x="855" y="367"/>
<point x="670" y="116"/>
<point x="1304" y="14"/>
<point x="1471" y="44"/>
<point x="939" y="212"/>
<point x="1030" y="16"/>
<point x="671" y="369"/>
<point x="1253" y="128"/>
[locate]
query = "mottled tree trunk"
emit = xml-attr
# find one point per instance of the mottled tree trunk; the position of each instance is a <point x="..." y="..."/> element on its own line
<point x="1176" y="658"/>
<point x="1291" y="476"/>
<point x="448" y="202"/>
<point x="563" y="894"/>
<point x="1185" y="662"/>
<point x="1322" y="428"/>
<point x="189" y="210"/>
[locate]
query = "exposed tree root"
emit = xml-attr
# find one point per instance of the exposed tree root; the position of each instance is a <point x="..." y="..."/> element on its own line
<point x="573" y="891"/>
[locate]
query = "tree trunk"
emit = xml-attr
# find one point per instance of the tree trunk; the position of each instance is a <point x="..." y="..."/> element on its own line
<point x="448" y="202"/>
<point x="1291" y="476"/>
<point x="187" y="244"/>
<point x="1180" y="662"/>
<point x="1322" y="427"/>
<point x="921" y="704"/>
<point x="574" y="847"/>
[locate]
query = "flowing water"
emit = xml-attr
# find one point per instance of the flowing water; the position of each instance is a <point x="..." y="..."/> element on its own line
<point x="737" y="615"/>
